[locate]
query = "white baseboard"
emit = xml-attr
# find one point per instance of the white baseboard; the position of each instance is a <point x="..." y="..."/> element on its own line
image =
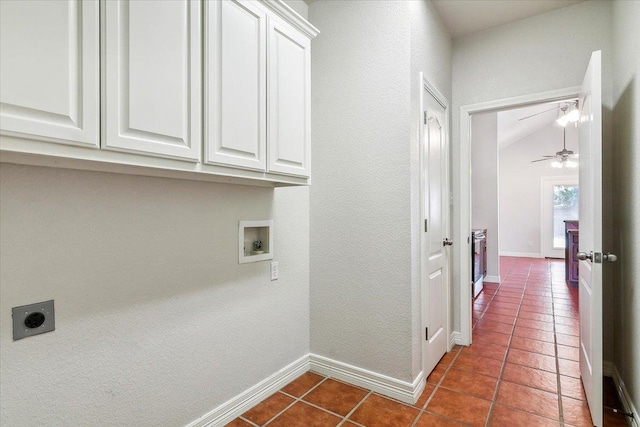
<point x="454" y="339"/>
<point x="521" y="254"/>
<point x="235" y="407"/>
<point x="491" y="279"/>
<point x="400" y="390"/>
<point x="625" y="399"/>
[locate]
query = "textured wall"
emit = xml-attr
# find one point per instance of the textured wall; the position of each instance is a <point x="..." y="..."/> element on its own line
<point x="156" y="323"/>
<point x="431" y="54"/>
<point x="484" y="183"/>
<point x="360" y="230"/>
<point x="626" y="134"/>
<point x="520" y="187"/>
<point x="538" y="54"/>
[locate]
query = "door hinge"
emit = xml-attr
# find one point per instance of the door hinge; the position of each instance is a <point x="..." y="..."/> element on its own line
<point x="425" y="117"/>
<point x="426" y="334"/>
<point x="426" y="225"/>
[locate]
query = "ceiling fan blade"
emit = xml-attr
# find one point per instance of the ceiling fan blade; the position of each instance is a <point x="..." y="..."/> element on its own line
<point x="551" y="156"/>
<point x="541" y="112"/>
<point x="542" y="160"/>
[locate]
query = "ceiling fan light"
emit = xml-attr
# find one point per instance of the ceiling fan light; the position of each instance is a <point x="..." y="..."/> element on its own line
<point x="556" y="164"/>
<point x="562" y="121"/>
<point x="570" y="164"/>
<point x="573" y="115"/>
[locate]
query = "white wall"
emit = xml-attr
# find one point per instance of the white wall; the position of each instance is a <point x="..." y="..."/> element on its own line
<point x="538" y="54"/>
<point x="484" y="184"/>
<point x="156" y="323"/>
<point x="520" y="187"/>
<point x="364" y="276"/>
<point x="431" y="54"/>
<point x="626" y="132"/>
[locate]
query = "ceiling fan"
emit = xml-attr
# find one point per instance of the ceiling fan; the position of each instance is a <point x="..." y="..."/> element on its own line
<point x="563" y="157"/>
<point x="562" y="108"/>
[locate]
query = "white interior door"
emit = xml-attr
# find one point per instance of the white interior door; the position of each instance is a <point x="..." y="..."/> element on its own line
<point x="590" y="282"/>
<point x="435" y="253"/>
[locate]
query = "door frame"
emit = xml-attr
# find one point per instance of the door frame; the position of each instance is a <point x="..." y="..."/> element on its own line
<point x="463" y="192"/>
<point x="546" y="223"/>
<point x="425" y="84"/>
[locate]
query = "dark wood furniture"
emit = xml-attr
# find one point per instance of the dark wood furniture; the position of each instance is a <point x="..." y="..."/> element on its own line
<point x="572" y="235"/>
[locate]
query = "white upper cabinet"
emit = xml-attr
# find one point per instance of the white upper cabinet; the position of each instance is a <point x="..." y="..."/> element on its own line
<point x="49" y="71"/>
<point x="289" y="100"/>
<point x="235" y="84"/>
<point x="152" y="77"/>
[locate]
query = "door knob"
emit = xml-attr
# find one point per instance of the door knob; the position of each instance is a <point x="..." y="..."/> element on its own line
<point x="609" y="257"/>
<point x="582" y="256"/>
<point x="447" y="242"/>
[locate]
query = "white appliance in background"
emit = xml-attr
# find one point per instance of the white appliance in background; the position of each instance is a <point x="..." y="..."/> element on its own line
<point x="478" y="260"/>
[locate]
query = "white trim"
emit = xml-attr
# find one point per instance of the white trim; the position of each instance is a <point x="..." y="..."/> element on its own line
<point x="546" y="213"/>
<point x="424" y="83"/>
<point x="521" y="254"/>
<point x="464" y="191"/>
<point x="238" y="405"/>
<point x="611" y="370"/>
<point x="491" y="279"/>
<point x="400" y="390"/>
<point x="292" y="17"/>
<point x="455" y="338"/>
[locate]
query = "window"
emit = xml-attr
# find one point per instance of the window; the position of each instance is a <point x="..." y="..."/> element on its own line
<point x="565" y="207"/>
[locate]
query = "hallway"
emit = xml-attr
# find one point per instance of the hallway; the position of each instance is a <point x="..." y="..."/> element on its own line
<point x="522" y="369"/>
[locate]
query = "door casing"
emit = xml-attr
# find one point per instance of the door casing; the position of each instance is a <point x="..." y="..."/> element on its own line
<point x="462" y="194"/>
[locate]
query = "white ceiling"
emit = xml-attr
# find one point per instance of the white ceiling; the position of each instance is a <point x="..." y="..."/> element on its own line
<point x="513" y="126"/>
<point x="467" y="16"/>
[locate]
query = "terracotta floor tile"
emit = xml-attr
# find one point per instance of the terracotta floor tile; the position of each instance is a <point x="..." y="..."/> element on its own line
<point x="488" y="337"/>
<point x="569" y="340"/>
<point x="568" y="330"/>
<point x="566" y="352"/>
<point x="490" y="325"/>
<point x="302" y="384"/>
<point x="565" y="313"/>
<point x="492" y="351"/>
<point x="509" y="320"/>
<point x="534" y="334"/>
<point x="529" y="399"/>
<point x="303" y="415"/>
<point x="536" y="378"/>
<point x="537" y="309"/>
<point x="535" y="324"/>
<point x="503" y="311"/>
<point x="464" y="408"/>
<point x="336" y="397"/>
<point x="504" y="416"/>
<point x="505" y="305"/>
<point x="377" y="411"/>
<point x="535" y="316"/>
<point x="238" y="422"/>
<point x="426" y="394"/>
<point x="534" y="346"/>
<point x="448" y="357"/>
<point x="501" y="297"/>
<point x="489" y="367"/>
<point x="268" y="408"/>
<point x="569" y="368"/>
<point x="576" y="412"/>
<point x="436" y="374"/>
<point x="532" y="360"/>
<point x="571" y="321"/>
<point x="471" y="383"/>
<point x="427" y="419"/>
<point x="572" y="387"/>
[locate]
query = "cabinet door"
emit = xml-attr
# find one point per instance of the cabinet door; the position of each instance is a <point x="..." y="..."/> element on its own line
<point x="49" y="71"/>
<point x="235" y="80"/>
<point x="289" y="100"/>
<point x="152" y="77"/>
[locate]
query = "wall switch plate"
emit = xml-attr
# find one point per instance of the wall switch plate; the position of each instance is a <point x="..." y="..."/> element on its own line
<point x="274" y="270"/>
<point x="33" y="319"/>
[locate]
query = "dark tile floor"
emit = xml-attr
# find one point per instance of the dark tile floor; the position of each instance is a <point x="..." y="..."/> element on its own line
<point x="521" y="370"/>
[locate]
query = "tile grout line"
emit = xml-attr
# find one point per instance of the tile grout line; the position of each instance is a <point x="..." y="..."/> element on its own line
<point x="296" y="400"/>
<point x="504" y="362"/>
<point x="555" y="347"/>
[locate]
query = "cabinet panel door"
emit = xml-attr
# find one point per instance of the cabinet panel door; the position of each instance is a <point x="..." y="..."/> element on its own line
<point x="289" y="100"/>
<point x="235" y="75"/>
<point x="152" y="78"/>
<point x="49" y="71"/>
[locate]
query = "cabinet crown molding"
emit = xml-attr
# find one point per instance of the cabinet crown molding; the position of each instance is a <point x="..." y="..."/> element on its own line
<point x="292" y="17"/>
